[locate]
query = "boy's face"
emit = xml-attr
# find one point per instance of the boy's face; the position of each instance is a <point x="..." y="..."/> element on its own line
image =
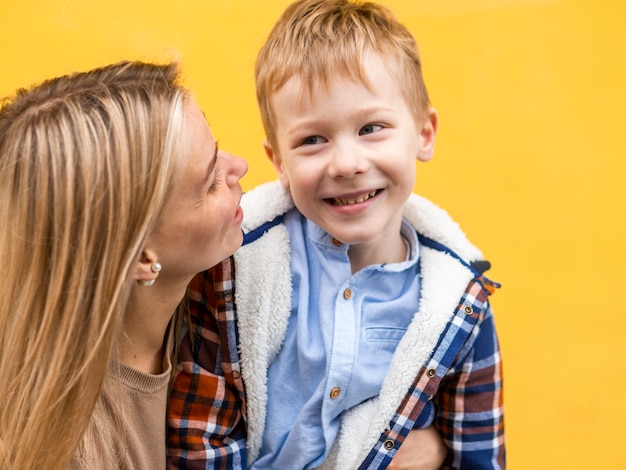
<point x="347" y="153"/>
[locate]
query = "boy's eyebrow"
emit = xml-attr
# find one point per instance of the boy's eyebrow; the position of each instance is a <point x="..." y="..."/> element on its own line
<point x="360" y="113"/>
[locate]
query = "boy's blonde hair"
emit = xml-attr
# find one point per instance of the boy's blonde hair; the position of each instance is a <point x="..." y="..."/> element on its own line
<point x="86" y="163"/>
<point x="316" y="40"/>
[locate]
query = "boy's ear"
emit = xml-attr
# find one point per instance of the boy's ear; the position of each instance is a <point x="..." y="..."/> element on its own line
<point x="427" y="135"/>
<point x="278" y="164"/>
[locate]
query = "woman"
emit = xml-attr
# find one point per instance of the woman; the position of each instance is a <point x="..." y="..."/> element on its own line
<point x="113" y="194"/>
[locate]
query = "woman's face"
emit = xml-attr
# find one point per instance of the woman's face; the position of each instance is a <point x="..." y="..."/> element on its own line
<point x="201" y="221"/>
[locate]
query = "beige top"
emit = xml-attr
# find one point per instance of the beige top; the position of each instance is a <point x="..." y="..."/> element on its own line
<point x="137" y="402"/>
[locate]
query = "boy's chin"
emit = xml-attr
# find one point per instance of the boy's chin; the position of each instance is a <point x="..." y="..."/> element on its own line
<point x="350" y="237"/>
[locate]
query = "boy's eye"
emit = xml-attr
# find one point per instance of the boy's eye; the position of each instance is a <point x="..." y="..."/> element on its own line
<point x="312" y="140"/>
<point x="370" y="129"/>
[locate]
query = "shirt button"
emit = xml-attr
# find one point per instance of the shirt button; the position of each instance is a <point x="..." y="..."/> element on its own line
<point x="431" y="373"/>
<point x="336" y="242"/>
<point x="347" y="293"/>
<point x="468" y="309"/>
<point x="334" y="393"/>
<point x="389" y="444"/>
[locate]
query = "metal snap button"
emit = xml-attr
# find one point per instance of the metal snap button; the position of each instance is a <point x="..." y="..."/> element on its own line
<point x="388" y="444"/>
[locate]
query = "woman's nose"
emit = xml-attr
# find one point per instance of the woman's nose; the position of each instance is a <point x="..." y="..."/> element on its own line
<point x="237" y="167"/>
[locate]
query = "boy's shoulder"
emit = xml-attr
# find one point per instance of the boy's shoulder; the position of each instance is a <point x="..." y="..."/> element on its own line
<point x="264" y="204"/>
<point x="434" y="223"/>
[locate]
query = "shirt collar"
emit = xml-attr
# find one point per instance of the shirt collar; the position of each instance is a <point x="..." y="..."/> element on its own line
<point x="323" y="238"/>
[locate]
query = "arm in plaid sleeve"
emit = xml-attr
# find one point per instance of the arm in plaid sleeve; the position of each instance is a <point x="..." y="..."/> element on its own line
<point x="469" y="402"/>
<point x="468" y="396"/>
<point x="206" y="410"/>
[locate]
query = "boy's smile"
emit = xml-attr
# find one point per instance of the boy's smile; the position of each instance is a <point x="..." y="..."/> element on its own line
<point x="349" y="200"/>
<point x="347" y="152"/>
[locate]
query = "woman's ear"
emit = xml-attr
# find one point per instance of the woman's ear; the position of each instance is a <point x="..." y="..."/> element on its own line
<point x="278" y="164"/>
<point x="147" y="268"/>
<point x="428" y="133"/>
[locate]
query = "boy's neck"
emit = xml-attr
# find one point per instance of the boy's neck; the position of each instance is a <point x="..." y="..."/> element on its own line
<point x="363" y="255"/>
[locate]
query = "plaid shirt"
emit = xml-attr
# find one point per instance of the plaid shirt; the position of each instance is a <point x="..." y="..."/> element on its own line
<point x="206" y="416"/>
<point x="206" y="411"/>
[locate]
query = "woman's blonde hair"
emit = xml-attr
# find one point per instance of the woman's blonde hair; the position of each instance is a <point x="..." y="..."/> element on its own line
<point x="318" y="40"/>
<point x="86" y="163"/>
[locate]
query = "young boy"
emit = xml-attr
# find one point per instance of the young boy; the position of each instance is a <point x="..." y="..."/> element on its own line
<point x="362" y="311"/>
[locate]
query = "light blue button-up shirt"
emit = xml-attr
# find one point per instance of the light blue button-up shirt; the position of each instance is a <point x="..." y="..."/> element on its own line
<point x="340" y="338"/>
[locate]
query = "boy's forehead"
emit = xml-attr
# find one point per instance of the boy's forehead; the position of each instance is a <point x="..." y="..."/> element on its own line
<point x="301" y="86"/>
<point x="303" y="91"/>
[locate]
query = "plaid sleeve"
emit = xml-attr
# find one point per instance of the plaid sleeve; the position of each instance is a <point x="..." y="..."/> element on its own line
<point x="469" y="400"/>
<point x="463" y="378"/>
<point x="206" y="409"/>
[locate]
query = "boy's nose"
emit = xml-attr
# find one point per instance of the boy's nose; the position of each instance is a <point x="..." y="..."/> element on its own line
<point x="346" y="162"/>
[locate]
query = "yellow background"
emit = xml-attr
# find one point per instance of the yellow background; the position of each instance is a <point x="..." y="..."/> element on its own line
<point x="530" y="160"/>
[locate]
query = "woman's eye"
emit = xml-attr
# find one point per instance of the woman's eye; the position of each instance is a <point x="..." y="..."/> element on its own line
<point x="217" y="179"/>
<point x="369" y="129"/>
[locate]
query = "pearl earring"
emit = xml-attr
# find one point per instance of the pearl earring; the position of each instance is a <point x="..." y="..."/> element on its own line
<point x="155" y="268"/>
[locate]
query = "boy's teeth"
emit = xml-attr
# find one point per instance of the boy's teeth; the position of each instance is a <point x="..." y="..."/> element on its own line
<point x="365" y="197"/>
